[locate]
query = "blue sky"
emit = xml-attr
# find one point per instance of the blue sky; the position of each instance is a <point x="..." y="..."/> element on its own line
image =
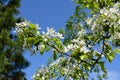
<point x="53" y="13"/>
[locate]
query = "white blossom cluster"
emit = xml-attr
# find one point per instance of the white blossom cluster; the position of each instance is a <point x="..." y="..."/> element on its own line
<point x="108" y="19"/>
<point x="78" y="43"/>
<point x="52" y="33"/>
<point x="59" y="66"/>
<point x="106" y="16"/>
<point x="40" y="72"/>
<point x="19" y="29"/>
<point x="20" y="26"/>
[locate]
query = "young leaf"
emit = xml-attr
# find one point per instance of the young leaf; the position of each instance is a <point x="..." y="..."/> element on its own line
<point x="32" y="26"/>
<point x="41" y="48"/>
<point x="110" y="57"/>
<point x="83" y="56"/>
<point x="116" y="51"/>
<point x="103" y="67"/>
<point x="56" y="40"/>
<point x="54" y="54"/>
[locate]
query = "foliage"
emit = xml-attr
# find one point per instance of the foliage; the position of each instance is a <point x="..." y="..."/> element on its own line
<point x="11" y="58"/>
<point x="91" y="40"/>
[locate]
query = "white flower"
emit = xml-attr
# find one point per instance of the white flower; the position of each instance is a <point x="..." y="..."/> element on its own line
<point x="22" y="24"/>
<point x="60" y="35"/>
<point x="69" y="78"/>
<point x="33" y="77"/>
<point x="43" y="78"/>
<point x="75" y="46"/>
<point x="70" y="46"/>
<point x="116" y="5"/>
<point x="41" y="46"/>
<point x="38" y="32"/>
<point x="37" y="25"/>
<point x="65" y="70"/>
<point x="119" y="21"/>
<point x="75" y="40"/>
<point x="96" y="0"/>
<point x="82" y="42"/>
<point x="89" y="21"/>
<point x="52" y="64"/>
<point x="43" y="32"/>
<point x="65" y="49"/>
<point x="18" y="30"/>
<point x="104" y="11"/>
<point x="45" y="39"/>
<point x="50" y="31"/>
<point x="114" y="10"/>
<point x="84" y="49"/>
<point x="93" y="26"/>
<point x="81" y="33"/>
<point x="37" y="75"/>
<point x="116" y="36"/>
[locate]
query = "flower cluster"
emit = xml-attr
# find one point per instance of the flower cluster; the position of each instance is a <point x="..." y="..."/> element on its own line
<point x="30" y="32"/>
<point x="78" y="43"/>
<point x="20" y="26"/>
<point x="52" y="33"/>
<point x="61" y="65"/>
<point x="106" y="17"/>
<point x="106" y="23"/>
<point x="46" y="70"/>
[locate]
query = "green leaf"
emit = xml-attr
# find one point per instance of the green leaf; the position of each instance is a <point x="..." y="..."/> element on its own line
<point x="56" y="40"/>
<point x="41" y="48"/>
<point x="116" y="51"/>
<point x="103" y="67"/>
<point x="112" y="29"/>
<point x="83" y="56"/>
<point x="110" y="56"/>
<point x="62" y="31"/>
<point x="54" y="54"/>
<point x="78" y="1"/>
<point x="47" y="49"/>
<point x="89" y="68"/>
<point x="32" y="26"/>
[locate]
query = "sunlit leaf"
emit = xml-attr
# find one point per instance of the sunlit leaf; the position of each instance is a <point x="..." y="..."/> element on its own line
<point x="116" y="50"/>
<point x="54" y="54"/>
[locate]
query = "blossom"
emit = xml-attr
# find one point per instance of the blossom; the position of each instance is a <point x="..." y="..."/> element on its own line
<point x="60" y="35"/>
<point x="117" y="5"/>
<point x="41" y="46"/>
<point x="37" y="26"/>
<point x="104" y="11"/>
<point x="82" y="42"/>
<point x="65" y="49"/>
<point x="116" y="36"/>
<point x="75" y="40"/>
<point x="89" y="21"/>
<point x="84" y="49"/>
<point x="70" y="46"/>
<point x="23" y="24"/>
<point x="69" y="78"/>
<point x="52" y="33"/>
<point x="119" y="21"/>
<point x="81" y="33"/>
<point x="106" y="17"/>
<point x="20" y="26"/>
<point x="114" y="10"/>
